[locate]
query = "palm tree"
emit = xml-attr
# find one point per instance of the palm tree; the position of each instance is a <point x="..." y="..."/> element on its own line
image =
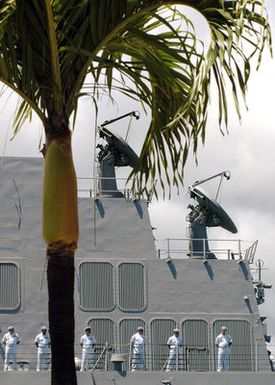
<point x="47" y="48"/>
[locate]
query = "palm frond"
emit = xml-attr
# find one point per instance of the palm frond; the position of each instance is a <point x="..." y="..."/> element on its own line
<point x="48" y="47"/>
<point x="172" y="74"/>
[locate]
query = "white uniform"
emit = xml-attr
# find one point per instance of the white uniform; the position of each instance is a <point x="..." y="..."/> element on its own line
<point x="137" y="343"/>
<point x="43" y="342"/>
<point x="10" y="340"/>
<point x="272" y="362"/>
<point x="87" y="361"/>
<point x="175" y="342"/>
<point x="223" y="343"/>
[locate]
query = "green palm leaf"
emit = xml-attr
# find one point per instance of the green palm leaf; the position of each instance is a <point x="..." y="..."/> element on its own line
<point x="154" y="48"/>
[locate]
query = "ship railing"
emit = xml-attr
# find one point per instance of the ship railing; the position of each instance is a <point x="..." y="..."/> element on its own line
<point x="190" y="358"/>
<point x="100" y="357"/>
<point x="230" y="249"/>
<point x="90" y="187"/>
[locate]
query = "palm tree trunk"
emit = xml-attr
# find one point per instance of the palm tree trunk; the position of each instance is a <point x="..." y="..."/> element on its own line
<point x="61" y="315"/>
<point x="60" y="231"/>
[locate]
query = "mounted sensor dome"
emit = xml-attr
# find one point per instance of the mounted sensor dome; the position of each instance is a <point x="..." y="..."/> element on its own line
<point x="123" y="154"/>
<point x="207" y="213"/>
<point x="216" y="214"/>
<point x="114" y="153"/>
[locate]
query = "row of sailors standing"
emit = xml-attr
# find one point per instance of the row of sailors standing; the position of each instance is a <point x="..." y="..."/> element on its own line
<point x="42" y="341"/>
<point x="223" y="342"/>
<point x="137" y="345"/>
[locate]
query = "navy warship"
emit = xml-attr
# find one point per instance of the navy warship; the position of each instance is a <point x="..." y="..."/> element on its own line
<point x="124" y="280"/>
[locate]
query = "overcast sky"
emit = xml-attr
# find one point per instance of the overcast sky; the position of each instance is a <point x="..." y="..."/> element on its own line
<point x="248" y="152"/>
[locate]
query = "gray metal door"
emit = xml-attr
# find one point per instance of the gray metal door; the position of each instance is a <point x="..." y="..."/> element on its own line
<point x="9" y="286"/>
<point x="104" y="331"/>
<point x="195" y="341"/>
<point x="161" y="330"/>
<point x="96" y="286"/>
<point x="241" y="349"/>
<point x="128" y="327"/>
<point x="131" y="287"/>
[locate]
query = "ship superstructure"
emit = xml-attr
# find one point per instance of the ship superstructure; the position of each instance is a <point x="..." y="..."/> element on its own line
<point x="123" y="281"/>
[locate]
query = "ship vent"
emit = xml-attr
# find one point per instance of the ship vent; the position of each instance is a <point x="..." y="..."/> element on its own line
<point x="127" y="328"/>
<point x="96" y="286"/>
<point x="104" y="331"/>
<point x="161" y="330"/>
<point x="195" y="337"/>
<point x="131" y="287"/>
<point x="9" y="286"/>
<point x="241" y="349"/>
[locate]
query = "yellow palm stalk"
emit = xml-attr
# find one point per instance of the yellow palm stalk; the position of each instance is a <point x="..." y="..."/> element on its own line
<point x="60" y="224"/>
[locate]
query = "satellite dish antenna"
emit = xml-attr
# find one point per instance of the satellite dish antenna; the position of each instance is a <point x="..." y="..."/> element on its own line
<point x="207" y="213"/>
<point x="123" y="154"/>
<point x="116" y="153"/>
<point x="218" y="216"/>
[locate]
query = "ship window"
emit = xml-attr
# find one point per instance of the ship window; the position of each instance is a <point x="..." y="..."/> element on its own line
<point x="131" y="287"/>
<point x="241" y="349"/>
<point x="127" y="328"/>
<point x="161" y="330"/>
<point x="9" y="286"/>
<point x="96" y="286"/>
<point x="104" y="331"/>
<point x="195" y="337"/>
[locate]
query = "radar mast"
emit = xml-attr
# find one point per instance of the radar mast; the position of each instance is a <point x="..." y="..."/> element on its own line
<point x="206" y="213"/>
<point x="115" y="153"/>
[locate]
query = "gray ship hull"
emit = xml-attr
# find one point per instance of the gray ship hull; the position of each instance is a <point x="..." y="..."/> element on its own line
<point x="149" y="378"/>
<point x="121" y="282"/>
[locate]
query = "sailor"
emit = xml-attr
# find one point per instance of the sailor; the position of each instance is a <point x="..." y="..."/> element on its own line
<point x="43" y="342"/>
<point x="87" y="342"/>
<point x="10" y="340"/>
<point x="137" y="346"/>
<point x="174" y="344"/>
<point x="223" y="342"/>
<point x="271" y="360"/>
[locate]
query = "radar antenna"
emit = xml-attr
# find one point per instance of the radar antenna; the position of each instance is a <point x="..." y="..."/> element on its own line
<point x="115" y="153"/>
<point x="207" y="213"/>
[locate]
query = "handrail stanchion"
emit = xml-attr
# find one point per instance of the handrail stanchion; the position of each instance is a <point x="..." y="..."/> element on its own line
<point x="130" y="358"/>
<point x="100" y="356"/>
<point x="240" y="248"/>
<point x="106" y="357"/>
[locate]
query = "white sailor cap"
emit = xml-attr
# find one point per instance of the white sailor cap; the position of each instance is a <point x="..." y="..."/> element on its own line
<point x="176" y="330"/>
<point x="43" y="327"/>
<point x="223" y="328"/>
<point x="87" y="328"/>
<point x="10" y="327"/>
<point x="140" y="328"/>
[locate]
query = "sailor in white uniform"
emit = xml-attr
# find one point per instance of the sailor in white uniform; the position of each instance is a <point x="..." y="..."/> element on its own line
<point x="87" y="342"/>
<point x="137" y="346"/>
<point x="271" y="360"/>
<point x="43" y="342"/>
<point x="223" y="342"/>
<point x="10" y="340"/>
<point x="174" y="344"/>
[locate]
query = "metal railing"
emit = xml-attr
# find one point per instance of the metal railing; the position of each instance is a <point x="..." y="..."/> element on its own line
<point x="157" y="358"/>
<point x="230" y="249"/>
<point x="90" y="187"/>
